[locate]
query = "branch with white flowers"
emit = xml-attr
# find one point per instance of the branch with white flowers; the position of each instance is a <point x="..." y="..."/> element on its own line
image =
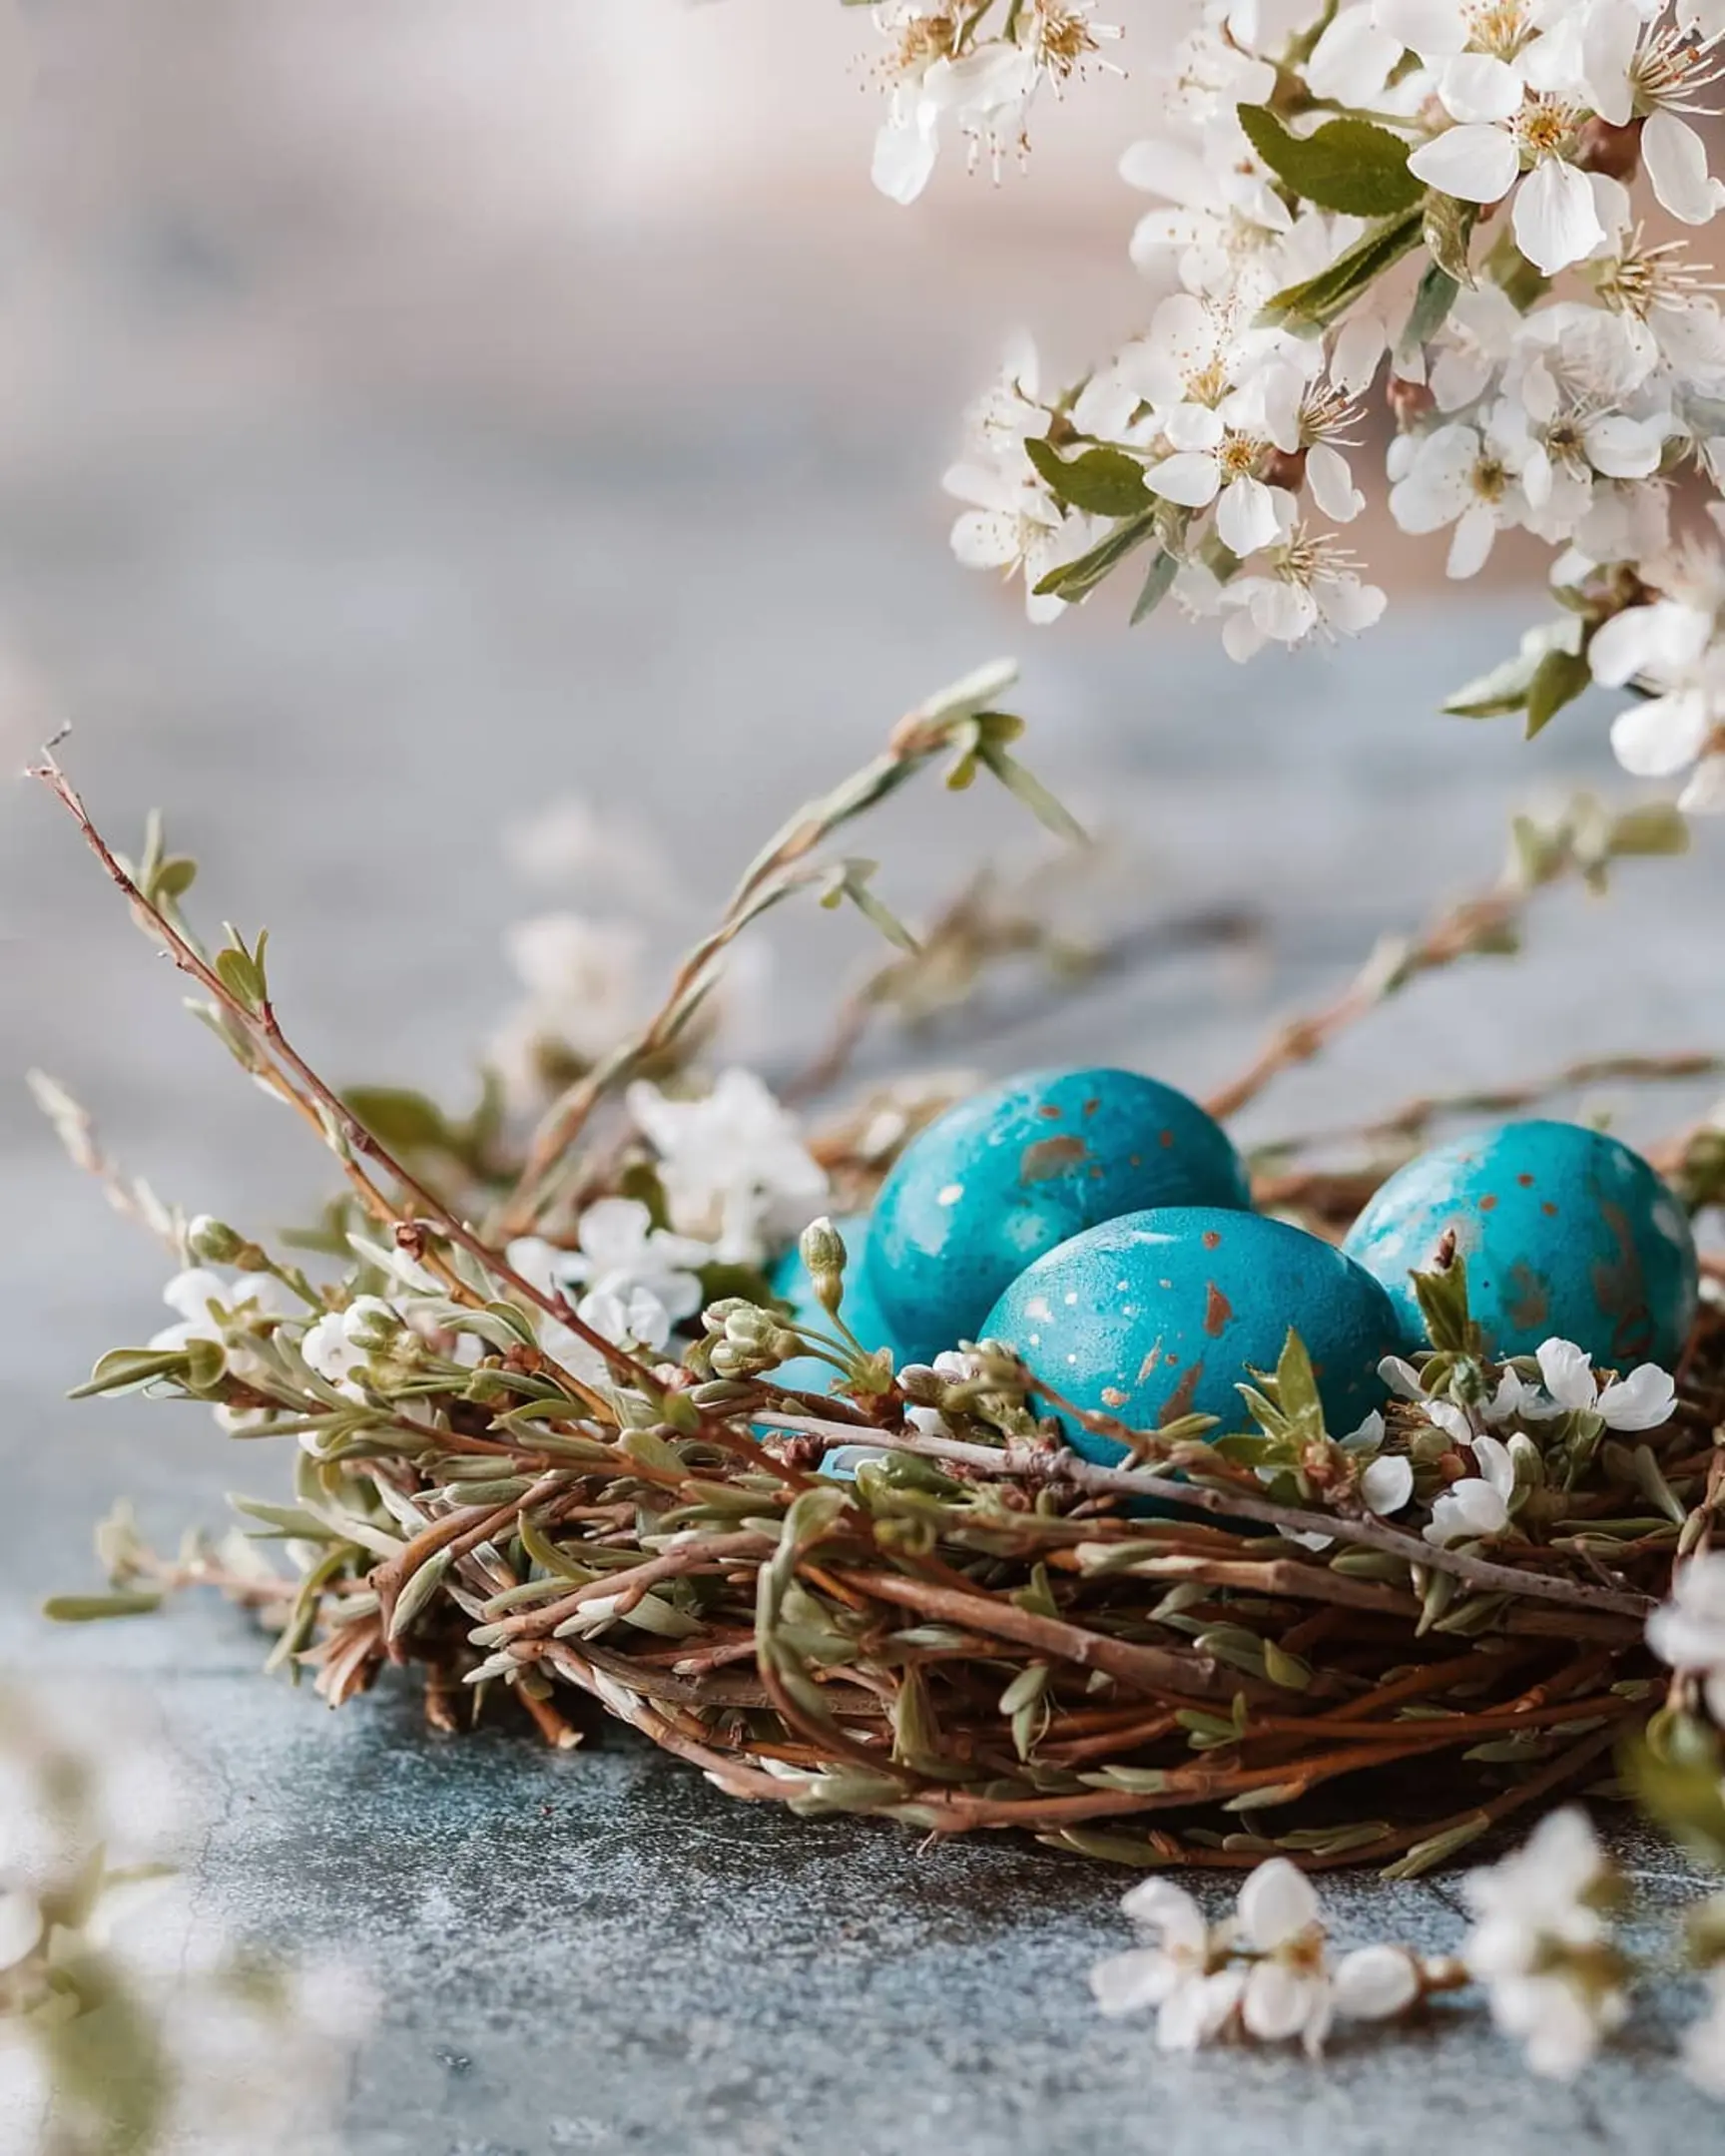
<point x="1432" y="203"/>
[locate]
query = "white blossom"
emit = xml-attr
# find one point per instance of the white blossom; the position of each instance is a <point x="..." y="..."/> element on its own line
<point x="1307" y="589"/>
<point x="731" y="1162"/>
<point x="1458" y="475"/>
<point x="1477" y="1507"/>
<point x="1176" y="1971"/>
<point x="582" y="983"/>
<point x="1668" y="647"/>
<point x="984" y="88"/>
<point x="1266" y="1974"/>
<point x="198" y="1292"/>
<point x="333" y="1347"/>
<point x="619" y="1248"/>
<point x="1688" y="1631"/>
<point x="1642" y="1400"/>
<point x="1014" y="524"/>
<point x="1540" y="1943"/>
<point x="1288" y="1988"/>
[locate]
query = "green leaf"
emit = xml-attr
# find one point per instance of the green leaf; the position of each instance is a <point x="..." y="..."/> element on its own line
<point x="1432" y="303"/>
<point x="122" y="1369"/>
<point x="1501" y="690"/>
<point x="417" y="1590"/>
<point x="1352" y="166"/>
<point x="91" y="1608"/>
<point x="1310" y="306"/>
<point x="406" y="1121"/>
<point x="1157" y="585"/>
<point x="1558" y="678"/>
<point x="1073" y="580"/>
<point x="1101" y="481"/>
<point x="1442" y="1297"/>
<point x="239" y="978"/>
<point x="1651" y="827"/>
<point x="1024" y="786"/>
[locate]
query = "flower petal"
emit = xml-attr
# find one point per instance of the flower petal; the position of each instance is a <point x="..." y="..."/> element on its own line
<point x="1473" y="164"/>
<point x="1388" y="1483"/>
<point x="1279" y="2001"/>
<point x="1375" y="1984"/>
<point x="1567" y="1372"/>
<point x="1554" y="220"/>
<point x="1642" y="1400"/>
<point x="1332" y="483"/>
<point x="1676" y="162"/>
<point x="1472" y="543"/>
<point x="1246" y="516"/>
<point x="905" y="156"/>
<point x="1185" y="477"/>
<point x="1127" y="1982"/>
<point x="1277" y="1902"/>
<point x="1655" y="739"/>
<point x="1610" y="34"/>
<point x="1169" y="1912"/>
<point x="1476" y="88"/>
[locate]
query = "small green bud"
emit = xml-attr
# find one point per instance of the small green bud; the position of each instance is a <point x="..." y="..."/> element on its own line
<point x="823" y="1252"/>
<point x="371" y="1322"/>
<point x="213" y="1242"/>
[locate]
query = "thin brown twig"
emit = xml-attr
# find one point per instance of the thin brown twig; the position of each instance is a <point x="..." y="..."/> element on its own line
<point x="328" y="1113"/>
<point x="1368" y="1533"/>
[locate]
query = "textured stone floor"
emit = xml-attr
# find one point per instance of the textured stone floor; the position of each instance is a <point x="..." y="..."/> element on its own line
<point x="345" y="655"/>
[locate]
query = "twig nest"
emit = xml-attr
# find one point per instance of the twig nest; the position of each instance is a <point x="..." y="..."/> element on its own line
<point x="1566" y="1232"/>
<point x="1164" y="1314"/>
<point x="1022" y="1167"/>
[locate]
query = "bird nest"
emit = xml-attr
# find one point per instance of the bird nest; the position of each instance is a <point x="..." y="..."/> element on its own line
<point x="1207" y="1652"/>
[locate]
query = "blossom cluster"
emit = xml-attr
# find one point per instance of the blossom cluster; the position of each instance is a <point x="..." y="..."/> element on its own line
<point x="1489" y="1426"/>
<point x="734" y="1174"/>
<point x="1542" y="1944"/>
<point x="1431" y="200"/>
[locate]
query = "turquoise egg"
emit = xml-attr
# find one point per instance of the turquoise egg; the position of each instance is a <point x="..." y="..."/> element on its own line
<point x="1565" y="1230"/>
<point x="791" y="1284"/>
<point x="1164" y="1314"/>
<point x="1025" y="1165"/>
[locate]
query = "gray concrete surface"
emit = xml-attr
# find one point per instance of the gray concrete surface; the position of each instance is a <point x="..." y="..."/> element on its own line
<point x="344" y="652"/>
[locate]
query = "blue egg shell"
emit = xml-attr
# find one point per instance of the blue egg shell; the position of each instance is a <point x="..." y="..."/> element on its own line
<point x="1014" y="1171"/>
<point x="791" y="1284"/>
<point x="1164" y="1314"/>
<point x="1565" y="1230"/>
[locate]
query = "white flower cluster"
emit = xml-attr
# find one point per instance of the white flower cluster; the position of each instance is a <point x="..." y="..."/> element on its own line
<point x="735" y="1174"/>
<point x="1541" y="1945"/>
<point x="1477" y="1507"/>
<point x="1265" y="1974"/>
<point x="946" y="65"/>
<point x="1383" y="191"/>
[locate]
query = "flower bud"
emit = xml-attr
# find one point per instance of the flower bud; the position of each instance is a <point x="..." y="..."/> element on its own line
<point x="213" y="1242"/>
<point x="372" y="1324"/>
<point x="822" y="1249"/>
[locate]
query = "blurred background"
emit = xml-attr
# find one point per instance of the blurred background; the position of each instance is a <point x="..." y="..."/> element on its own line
<point x="419" y="414"/>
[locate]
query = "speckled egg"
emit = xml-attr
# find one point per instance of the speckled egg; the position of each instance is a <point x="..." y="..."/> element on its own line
<point x="791" y="1284"/>
<point x="1163" y="1313"/>
<point x="1025" y="1165"/>
<point x="1565" y="1230"/>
